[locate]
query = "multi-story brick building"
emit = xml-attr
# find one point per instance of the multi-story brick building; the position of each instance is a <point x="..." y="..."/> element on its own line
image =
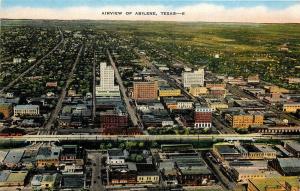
<point x="244" y="120"/>
<point x="145" y="90"/>
<point x="113" y="119"/>
<point x="202" y="117"/>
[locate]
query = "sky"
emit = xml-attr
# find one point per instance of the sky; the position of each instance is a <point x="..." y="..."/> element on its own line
<point x="256" y="11"/>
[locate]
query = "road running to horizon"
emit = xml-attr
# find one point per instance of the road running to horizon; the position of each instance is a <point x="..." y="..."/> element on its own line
<point x="58" y="107"/>
<point x="130" y="110"/>
<point x="12" y="83"/>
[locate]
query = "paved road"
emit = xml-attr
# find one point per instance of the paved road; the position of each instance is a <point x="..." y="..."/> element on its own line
<point x="130" y="110"/>
<point x="221" y="127"/>
<point x="221" y="177"/>
<point x="12" y="83"/>
<point x="95" y="137"/>
<point x="57" y="109"/>
<point x="94" y="86"/>
<point x="96" y="183"/>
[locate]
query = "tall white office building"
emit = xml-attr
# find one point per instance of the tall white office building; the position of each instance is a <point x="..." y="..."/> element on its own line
<point x="107" y="80"/>
<point x="193" y="78"/>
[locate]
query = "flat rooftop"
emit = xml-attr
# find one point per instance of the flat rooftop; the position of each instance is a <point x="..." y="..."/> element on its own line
<point x="227" y="149"/>
<point x="262" y="184"/>
<point x="26" y="107"/>
<point x="295" y="145"/>
<point x="17" y="176"/>
<point x="264" y="148"/>
<point x="13" y="156"/>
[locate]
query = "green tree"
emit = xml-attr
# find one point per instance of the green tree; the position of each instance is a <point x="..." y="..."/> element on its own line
<point x="141" y="144"/>
<point x="102" y="146"/>
<point x="139" y="158"/>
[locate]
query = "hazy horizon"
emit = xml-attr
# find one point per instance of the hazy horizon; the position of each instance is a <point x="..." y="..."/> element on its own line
<point x="195" y="10"/>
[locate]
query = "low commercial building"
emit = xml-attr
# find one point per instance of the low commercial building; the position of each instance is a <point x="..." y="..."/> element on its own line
<point x="71" y="167"/>
<point x="291" y="107"/>
<point x="149" y="106"/>
<point x="242" y="174"/>
<point x="235" y="151"/>
<point x="180" y="163"/>
<point x="290" y="183"/>
<point x="168" y="92"/>
<point x="115" y="157"/>
<point x="179" y="103"/>
<point x="216" y="104"/>
<point x="215" y="85"/>
<point x="6" y="110"/>
<point x="184" y="104"/>
<point x="13" y="158"/>
<point x="72" y="182"/>
<point x="259" y="152"/>
<point x="147" y="174"/>
<point x="235" y="81"/>
<point x="168" y="173"/>
<point x="249" y="105"/>
<point x="217" y="91"/>
<point x="48" y="156"/>
<point x="287" y="166"/>
<point x="71" y="152"/>
<point x="276" y="89"/>
<point x="10" y="178"/>
<point x="198" y="90"/>
<point x="293" y="147"/>
<point x="244" y="170"/>
<point x="45" y="181"/>
<point x="226" y="151"/>
<point x="123" y="174"/>
<point x="253" y="79"/>
<point x="193" y="171"/>
<point x="20" y="110"/>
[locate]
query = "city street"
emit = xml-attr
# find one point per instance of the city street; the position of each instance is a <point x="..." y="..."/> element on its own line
<point x="130" y="110"/>
<point x="96" y="184"/>
<point x="221" y="177"/>
<point x="57" y="109"/>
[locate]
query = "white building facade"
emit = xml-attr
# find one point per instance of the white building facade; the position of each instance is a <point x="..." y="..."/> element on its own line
<point x="193" y="78"/>
<point x="20" y="110"/>
<point x="107" y="80"/>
